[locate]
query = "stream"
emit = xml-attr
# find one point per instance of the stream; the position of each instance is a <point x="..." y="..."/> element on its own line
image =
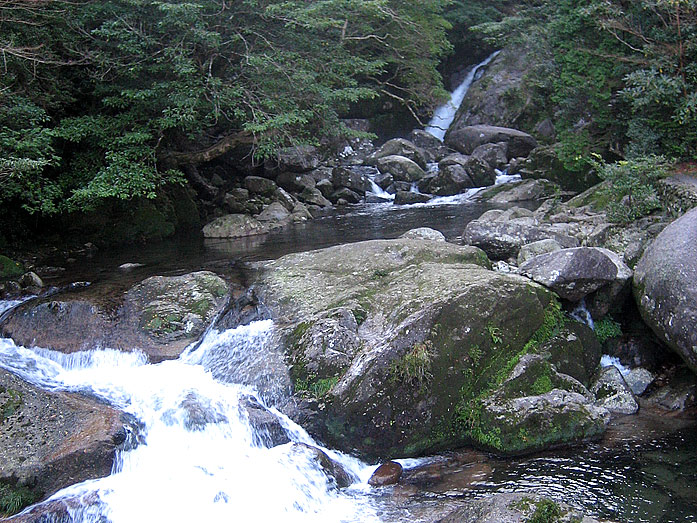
<point x="199" y="458"/>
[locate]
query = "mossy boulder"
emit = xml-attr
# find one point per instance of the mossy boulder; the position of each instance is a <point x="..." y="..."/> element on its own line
<point x="544" y="162"/>
<point x="160" y="316"/>
<point x="10" y="268"/>
<point x="51" y="440"/>
<point x="390" y="340"/>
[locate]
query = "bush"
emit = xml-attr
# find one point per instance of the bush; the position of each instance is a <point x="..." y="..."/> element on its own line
<point x="632" y="185"/>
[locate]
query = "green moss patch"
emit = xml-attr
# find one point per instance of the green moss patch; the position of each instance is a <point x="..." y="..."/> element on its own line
<point x="10" y="268"/>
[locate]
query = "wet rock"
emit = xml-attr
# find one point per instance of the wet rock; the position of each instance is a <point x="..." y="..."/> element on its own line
<point x="494" y="154"/>
<point x="334" y="471"/>
<point x="326" y="187"/>
<point x="300" y="213"/>
<point x="526" y="190"/>
<point x="467" y="139"/>
<point x="51" y="440"/>
<point x="638" y="380"/>
<point x="676" y="392"/>
<point x="430" y="318"/>
<point x="613" y="393"/>
<point x="259" y="185"/>
<point x="347" y="195"/>
<point x="572" y="273"/>
<point x="234" y="226"/>
<point x="350" y="179"/>
<point x="383" y="180"/>
<point x="314" y="197"/>
<point x="502" y="239"/>
<point x="401" y="168"/>
<point x="544" y="162"/>
<point x="160" y="316"/>
<point x="399" y="147"/>
<point x="665" y="287"/>
<point x="424" y="233"/>
<point x="409" y="197"/>
<point x="480" y="172"/>
<point x="281" y="196"/>
<point x="64" y="510"/>
<point x="295" y="182"/>
<point x="386" y="474"/>
<point x="274" y="213"/>
<point x="31" y="280"/>
<point x="515" y="508"/>
<point x="612" y="296"/>
<point x="530" y="250"/>
<point x="429" y="143"/>
<point x="450" y="180"/>
<point x="575" y="351"/>
<point x="127" y="267"/>
<point x="267" y="426"/>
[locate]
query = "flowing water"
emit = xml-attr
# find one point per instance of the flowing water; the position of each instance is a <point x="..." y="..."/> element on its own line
<point x="197" y="457"/>
<point x="445" y="114"/>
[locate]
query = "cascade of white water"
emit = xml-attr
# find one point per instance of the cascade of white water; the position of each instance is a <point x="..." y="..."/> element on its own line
<point x="445" y="114"/>
<point x="200" y="458"/>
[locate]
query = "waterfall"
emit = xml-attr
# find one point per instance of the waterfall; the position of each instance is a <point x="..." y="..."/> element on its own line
<point x="445" y="114"/>
<point x="200" y="457"/>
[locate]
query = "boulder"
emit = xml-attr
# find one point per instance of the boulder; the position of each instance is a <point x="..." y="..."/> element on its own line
<point x="267" y="427"/>
<point x="314" y="197"/>
<point x="575" y="350"/>
<point x="638" y="380"/>
<point x="300" y="213"/>
<point x="494" y="154"/>
<point x="480" y="172"/>
<point x="383" y="180"/>
<point x="335" y="473"/>
<point x="572" y="273"/>
<point x="533" y="249"/>
<point x="467" y="139"/>
<point x="31" y="280"/>
<point x="295" y="182"/>
<point x="410" y="197"/>
<point x="235" y="226"/>
<point x="613" y="393"/>
<point x="326" y="187"/>
<point x="396" y="344"/>
<point x="285" y="199"/>
<point x="51" y="440"/>
<point x="424" y="233"/>
<point x="450" y="180"/>
<point x="665" y="287"/>
<point x="274" y="213"/>
<point x="348" y="178"/>
<point x="345" y="194"/>
<point x="386" y="474"/>
<point x="401" y="168"/>
<point x="160" y="316"/>
<point x="399" y="147"/>
<point x="259" y="185"/>
<point x="544" y="163"/>
<point x="526" y="190"/>
<point x="502" y="239"/>
<point x="430" y="144"/>
<point x="298" y="159"/>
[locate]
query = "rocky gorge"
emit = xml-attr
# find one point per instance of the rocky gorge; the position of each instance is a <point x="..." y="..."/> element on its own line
<point x="391" y="348"/>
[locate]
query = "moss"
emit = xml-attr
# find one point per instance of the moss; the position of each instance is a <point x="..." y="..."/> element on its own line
<point x="607" y="328"/>
<point x="360" y="315"/>
<point x="546" y="511"/>
<point x="11" y="402"/>
<point x="14" y="499"/>
<point x="542" y="385"/>
<point x="201" y="307"/>
<point x="10" y="268"/>
<point x="415" y="366"/>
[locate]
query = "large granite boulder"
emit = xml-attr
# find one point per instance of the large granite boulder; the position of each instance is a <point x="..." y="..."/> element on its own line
<point x="573" y="273"/>
<point x="451" y="179"/>
<point x="298" y="159"/>
<point x="349" y="178"/>
<point x="160" y="316"/>
<point x="395" y="345"/>
<point x="51" y="440"/>
<point x="401" y="168"/>
<point x="399" y="147"/>
<point x="467" y="139"/>
<point x="235" y="226"/>
<point x="665" y="287"/>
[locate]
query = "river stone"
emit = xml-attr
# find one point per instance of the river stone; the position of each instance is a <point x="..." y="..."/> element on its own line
<point x="611" y="296"/>
<point x="326" y="187"/>
<point x="575" y="350"/>
<point x="332" y="469"/>
<point x="467" y="139"/>
<point x="533" y="249"/>
<point x="268" y="430"/>
<point x="275" y="212"/>
<point x="613" y="393"/>
<point x="160" y="316"/>
<point x="386" y="474"/>
<point x="450" y="180"/>
<point x="572" y="273"/>
<point x="480" y="172"/>
<point x="259" y="185"/>
<point x="424" y="233"/>
<point x="494" y="154"/>
<point x="525" y="190"/>
<point x="665" y="287"/>
<point x="410" y="197"/>
<point x="638" y="380"/>
<point x="295" y="182"/>
<point x="314" y="197"/>
<point x="516" y="508"/>
<point x="234" y="226"/>
<point x="51" y="440"/>
<point x="503" y="239"/>
<point x="345" y="194"/>
<point x="399" y="147"/>
<point x="350" y="179"/>
<point x="434" y="328"/>
<point x="297" y="159"/>
<point x="429" y="143"/>
<point x="401" y="168"/>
